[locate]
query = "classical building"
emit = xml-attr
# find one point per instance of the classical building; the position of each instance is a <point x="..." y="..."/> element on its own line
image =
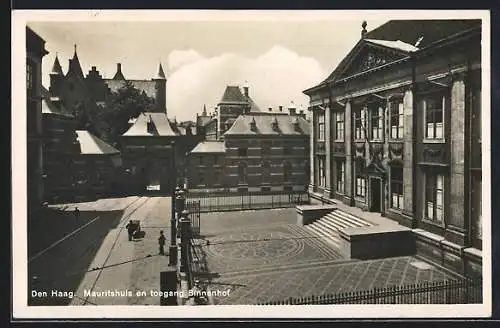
<point x="396" y="129"/>
<point x="261" y="151"/>
<point x="35" y="51"/>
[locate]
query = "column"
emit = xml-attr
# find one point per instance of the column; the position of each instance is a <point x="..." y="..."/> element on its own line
<point x="408" y="157"/>
<point x="328" y="160"/>
<point x="349" y="163"/>
<point x="312" y="151"/>
<point x="455" y="231"/>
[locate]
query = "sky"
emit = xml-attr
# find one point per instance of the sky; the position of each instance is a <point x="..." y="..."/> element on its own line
<point x="277" y="58"/>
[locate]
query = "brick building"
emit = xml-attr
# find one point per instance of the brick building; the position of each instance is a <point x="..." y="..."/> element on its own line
<point x="261" y="151"/>
<point x="35" y="51"/>
<point x="396" y="129"/>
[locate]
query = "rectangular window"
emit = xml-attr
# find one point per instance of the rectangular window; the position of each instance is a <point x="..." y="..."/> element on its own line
<point x="321" y="126"/>
<point x="242" y="172"/>
<point x="266" y="169"/>
<point x="216" y="159"/>
<point x="287" y="171"/>
<point x="434" y="197"/>
<point x="201" y="160"/>
<point x="360" y="178"/>
<point x="242" y="152"/>
<point x="321" y="171"/>
<point x="397" y="187"/>
<point x="377" y="121"/>
<point x="359" y="123"/>
<point x="339" y="126"/>
<point x="287" y="151"/>
<point x="396" y="119"/>
<point x="340" y="176"/>
<point x="434" y="116"/>
<point x="266" y="148"/>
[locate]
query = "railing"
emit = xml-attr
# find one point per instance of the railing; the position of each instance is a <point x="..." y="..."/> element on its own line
<point x="466" y="291"/>
<point x="193" y="207"/>
<point x="237" y="201"/>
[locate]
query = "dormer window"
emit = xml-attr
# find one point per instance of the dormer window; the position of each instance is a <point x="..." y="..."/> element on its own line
<point x="275" y="124"/>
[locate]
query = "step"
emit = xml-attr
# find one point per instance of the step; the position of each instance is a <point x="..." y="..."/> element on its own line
<point x="354" y="218"/>
<point x="347" y="220"/>
<point x="317" y="241"/>
<point x="337" y="221"/>
<point x="325" y="225"/>
<point x="332" y="239"/>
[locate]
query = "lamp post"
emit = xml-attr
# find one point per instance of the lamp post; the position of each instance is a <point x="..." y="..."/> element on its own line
<point x="185" y="240"/>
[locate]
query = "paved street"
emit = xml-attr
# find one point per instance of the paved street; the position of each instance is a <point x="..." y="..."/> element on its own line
<point x="258" y="256"/>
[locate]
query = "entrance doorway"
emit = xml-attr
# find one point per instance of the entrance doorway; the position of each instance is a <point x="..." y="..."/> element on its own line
<point x="376" y="195"/>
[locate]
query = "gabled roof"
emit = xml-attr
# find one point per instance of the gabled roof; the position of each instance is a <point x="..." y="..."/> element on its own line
<point x="406" y="36"/>
<point x="214" y="147"/>
<point x="91" y="145"/>
<point x="53" y="105"/>
<point x="264" y="125"/>
<point x="160" y="126"/>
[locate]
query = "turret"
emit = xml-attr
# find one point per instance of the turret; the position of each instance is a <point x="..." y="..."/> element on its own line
<point x="74" y="66"/>
<point x="56" y="78"/>
<point x="119" y="74"/>
<point x="161" y="91"/>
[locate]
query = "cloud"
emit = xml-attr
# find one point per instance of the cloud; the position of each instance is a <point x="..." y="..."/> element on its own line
<point x="275" y="78"/>
<point x="179" y="58"/>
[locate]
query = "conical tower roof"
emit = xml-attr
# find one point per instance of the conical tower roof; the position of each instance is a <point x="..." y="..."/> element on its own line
<point x="161" y="74"/>
<point x="56" y="68"/>
<point x="75" y="66"/>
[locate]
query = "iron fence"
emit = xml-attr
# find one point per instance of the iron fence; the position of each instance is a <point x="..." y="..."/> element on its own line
<point x="463" y="291"/>
<point x="194" y="208"/>
<point x="237" y="201"/>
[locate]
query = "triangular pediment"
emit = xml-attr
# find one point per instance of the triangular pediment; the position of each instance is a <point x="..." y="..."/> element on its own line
<point x="369" y="56"/>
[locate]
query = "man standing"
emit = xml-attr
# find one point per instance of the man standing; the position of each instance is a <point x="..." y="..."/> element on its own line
<point x="130" y="229"/>
<point x="161" y="243"/>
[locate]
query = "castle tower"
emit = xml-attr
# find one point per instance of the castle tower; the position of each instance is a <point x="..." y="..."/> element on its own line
<point x="56" y="78"/>
<point x="74" y="67"/>
<point x="161" y="90"/>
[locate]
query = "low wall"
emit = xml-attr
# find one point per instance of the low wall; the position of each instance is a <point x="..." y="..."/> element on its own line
<point x="307" y="214"/>
<point x="376" y="242"/>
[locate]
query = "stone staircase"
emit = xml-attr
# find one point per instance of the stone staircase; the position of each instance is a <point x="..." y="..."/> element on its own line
<point x="329" y="225"/>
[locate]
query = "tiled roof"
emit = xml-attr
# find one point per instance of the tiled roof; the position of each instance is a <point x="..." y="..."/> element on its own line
<point x="149" y="87"/>
<point x="53" y="105"/>
<point x="160" y="126"/>
<point x="91" y="145"/>
<point x="209" y="147"/>
<point x="264" y="125"/>
<point x="409" y="31"/>
<point x="398" y="45"/>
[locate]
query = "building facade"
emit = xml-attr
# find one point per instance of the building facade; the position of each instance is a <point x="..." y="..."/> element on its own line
<point x="396" y="129"/>
<point x="261" y="151"/>
<point x="35" y="51"/>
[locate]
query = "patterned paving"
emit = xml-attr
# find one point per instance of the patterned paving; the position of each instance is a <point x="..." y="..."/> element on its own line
<point x="256" y="247"/>
<point x="318" y="279"/>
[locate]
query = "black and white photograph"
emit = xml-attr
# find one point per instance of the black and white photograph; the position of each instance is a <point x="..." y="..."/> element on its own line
<point x="260" y="164"/>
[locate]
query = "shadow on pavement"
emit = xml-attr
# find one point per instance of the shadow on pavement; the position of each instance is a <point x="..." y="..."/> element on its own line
<point x="59" y="271"/>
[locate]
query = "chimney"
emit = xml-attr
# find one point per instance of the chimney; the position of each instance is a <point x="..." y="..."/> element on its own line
<point x="281" y="108"/>
<point x="245" y="89"/>
<point x="363" y="31"/>
<point x="270" y="109"/>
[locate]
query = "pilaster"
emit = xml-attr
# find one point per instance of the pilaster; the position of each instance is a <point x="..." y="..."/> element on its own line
<point x="408" y="156"/>
<point x="349" y="164"/>
<point x="455" y="220"/>
<point x="328" y="149"/>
